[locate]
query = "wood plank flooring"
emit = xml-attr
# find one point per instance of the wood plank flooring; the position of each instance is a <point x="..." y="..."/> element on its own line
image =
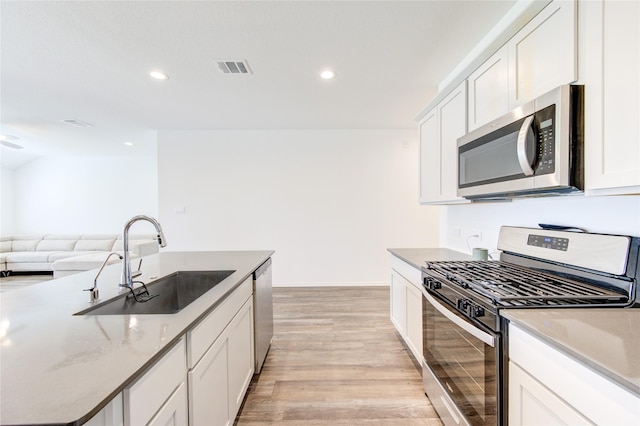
<point x="336" y="359"/>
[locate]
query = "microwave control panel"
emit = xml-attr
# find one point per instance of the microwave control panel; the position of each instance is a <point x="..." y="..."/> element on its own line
<point x="545" y="126"/>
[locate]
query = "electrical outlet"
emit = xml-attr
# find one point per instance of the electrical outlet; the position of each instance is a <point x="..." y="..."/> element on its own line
<point x="472" y="235"/>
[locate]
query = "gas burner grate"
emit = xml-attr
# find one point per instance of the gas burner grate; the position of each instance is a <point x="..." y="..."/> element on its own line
<point x="512" y="285"/>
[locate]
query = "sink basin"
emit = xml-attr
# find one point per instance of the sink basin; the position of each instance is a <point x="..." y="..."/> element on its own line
<point x="172" y="293"/>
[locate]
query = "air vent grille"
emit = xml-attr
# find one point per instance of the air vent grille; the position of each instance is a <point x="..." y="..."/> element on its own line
<point x="233" y="67"/>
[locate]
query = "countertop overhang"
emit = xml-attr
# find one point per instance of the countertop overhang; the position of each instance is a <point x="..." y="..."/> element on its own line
<point x="57" y="368"/>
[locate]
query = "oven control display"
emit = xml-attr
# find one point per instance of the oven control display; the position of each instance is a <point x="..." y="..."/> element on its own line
<point x="544" y="241"/>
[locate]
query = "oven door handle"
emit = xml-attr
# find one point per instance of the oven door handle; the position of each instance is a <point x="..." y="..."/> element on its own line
<point x="474" y="331"/>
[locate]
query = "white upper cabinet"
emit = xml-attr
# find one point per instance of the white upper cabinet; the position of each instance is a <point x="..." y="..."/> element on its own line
<point x="439" y="133"/>
<point x="542" y="55"/>
<point x="610" y="70"/>
<point x="488" y="90"/>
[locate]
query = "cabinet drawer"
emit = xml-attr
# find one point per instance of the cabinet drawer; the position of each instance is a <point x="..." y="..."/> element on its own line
<point x="207" y="331"/>
<point x="409" y="272"/>
<point x="143" y="399"/>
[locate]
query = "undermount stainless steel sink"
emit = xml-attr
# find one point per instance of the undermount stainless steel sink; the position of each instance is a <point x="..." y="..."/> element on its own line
<point x="170" y="294"/>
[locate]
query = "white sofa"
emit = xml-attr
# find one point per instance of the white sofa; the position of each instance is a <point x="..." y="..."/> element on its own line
<point x="68" y="254"/>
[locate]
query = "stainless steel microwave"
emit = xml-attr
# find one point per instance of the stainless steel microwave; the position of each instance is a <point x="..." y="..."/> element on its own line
<point x="535" y="150"/>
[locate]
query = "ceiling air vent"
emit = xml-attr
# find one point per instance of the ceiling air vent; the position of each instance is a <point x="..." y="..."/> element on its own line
<point x="234" y="67"/>
<point x="77" y="123"/>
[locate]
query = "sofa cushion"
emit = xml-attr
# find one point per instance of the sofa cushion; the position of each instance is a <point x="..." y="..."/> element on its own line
<point x="57" y="255"/>
<point x="28" y="257"/>
<point x="5" y="246"/>
<point x="84" y="262"/>
<point x="24" y="245"/>
<point x="56" y="245"/>
<point x="95" y="245"/>
<point x="62" y="237"/>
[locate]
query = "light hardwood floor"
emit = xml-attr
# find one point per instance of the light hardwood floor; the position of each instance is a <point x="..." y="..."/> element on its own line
<point x="336" y="359"/>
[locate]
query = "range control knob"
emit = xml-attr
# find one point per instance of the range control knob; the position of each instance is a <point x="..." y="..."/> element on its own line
<point x="463" y="304"/>
<point x="475" y="311"/>
<point x="432" y="284"/>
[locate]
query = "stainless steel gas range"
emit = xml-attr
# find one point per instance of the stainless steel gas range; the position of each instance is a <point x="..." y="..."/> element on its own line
<point x="465" y="341"/>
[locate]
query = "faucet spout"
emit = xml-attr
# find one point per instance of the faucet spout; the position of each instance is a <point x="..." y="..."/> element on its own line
<point x="126" y="280"/>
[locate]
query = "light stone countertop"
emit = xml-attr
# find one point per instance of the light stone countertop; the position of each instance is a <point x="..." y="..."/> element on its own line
<point x="417" y="256"/>
<point x="57" y="368"/>
<point x="607" y="340"/>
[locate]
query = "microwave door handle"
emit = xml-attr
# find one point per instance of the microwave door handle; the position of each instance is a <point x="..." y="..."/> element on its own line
<point x="522" y="147"/>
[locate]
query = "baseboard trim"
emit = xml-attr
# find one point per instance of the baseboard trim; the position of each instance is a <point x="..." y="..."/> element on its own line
<point x="334" y="284"/>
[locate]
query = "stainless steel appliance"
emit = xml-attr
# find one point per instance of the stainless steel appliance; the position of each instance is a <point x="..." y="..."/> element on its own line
<point x="465" y="342"/>
<point x="263" y="308"/>
<point x="534" y="150"/>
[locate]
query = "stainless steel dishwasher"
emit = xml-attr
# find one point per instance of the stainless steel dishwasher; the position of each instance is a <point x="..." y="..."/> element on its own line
<point x="263" y="308"/>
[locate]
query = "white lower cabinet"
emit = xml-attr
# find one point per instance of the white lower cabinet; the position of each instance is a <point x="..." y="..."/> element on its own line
<point x="406" y="304"/>
<point x="156" y="395"/>
<point x="531" y="403"/>
<point x="111" y="415"/>
<point x="219" y="379"/>
<point x="174" y="411"/>
<point x="547" y="387"/>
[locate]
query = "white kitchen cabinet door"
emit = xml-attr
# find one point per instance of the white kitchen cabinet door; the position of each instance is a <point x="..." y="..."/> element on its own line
<point x="398" y="304"/>
<point x="241" y="356"/>
<point x="452" y="112"/>
<point x="439" y="133"/>
<point x="543" y="54"/>
<point x="488" y="90"/>
<point x="174" y="411"/>
<point x="149" y="393"/>
<point x="610" y="71"/>
<point x="532" y="404"/>
<point x="430" y="158"/>
<point x="209" y="387"/>
<point x="111" y="415"/>
<point x="414" y="320"/>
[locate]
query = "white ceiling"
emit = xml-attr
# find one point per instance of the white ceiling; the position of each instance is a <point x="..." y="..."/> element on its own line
<point x="89" y="61"/>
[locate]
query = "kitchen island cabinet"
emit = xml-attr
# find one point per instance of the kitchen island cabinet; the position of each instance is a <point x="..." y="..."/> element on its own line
<point x="62" y="368"/>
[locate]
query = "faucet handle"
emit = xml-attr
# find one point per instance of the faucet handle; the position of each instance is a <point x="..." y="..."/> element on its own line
<point x="138" y="272"/>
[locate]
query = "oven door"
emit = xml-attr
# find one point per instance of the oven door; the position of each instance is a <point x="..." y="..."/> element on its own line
<point x="461" y="375"/>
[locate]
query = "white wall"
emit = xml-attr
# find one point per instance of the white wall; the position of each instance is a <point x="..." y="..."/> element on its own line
<point x="330" y="202"/>
<point x="84" y="194"/>
<point x="7" y="201"/>
<point x="613" y="215"/>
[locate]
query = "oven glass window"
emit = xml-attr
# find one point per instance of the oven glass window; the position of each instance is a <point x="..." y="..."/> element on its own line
<point x="464" y="365"/>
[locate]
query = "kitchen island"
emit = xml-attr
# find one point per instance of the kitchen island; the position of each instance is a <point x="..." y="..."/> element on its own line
<point x="61" y="368"/>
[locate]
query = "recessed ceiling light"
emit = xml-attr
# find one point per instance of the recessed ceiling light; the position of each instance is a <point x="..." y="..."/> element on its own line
<point x="128" y="143"/>
<point x="327" y="74"/>
<point x="159" y="75"/>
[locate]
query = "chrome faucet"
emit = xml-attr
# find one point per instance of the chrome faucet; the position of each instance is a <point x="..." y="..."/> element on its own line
<point x="93" y="291"/>
<point x="126" y="280"/>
